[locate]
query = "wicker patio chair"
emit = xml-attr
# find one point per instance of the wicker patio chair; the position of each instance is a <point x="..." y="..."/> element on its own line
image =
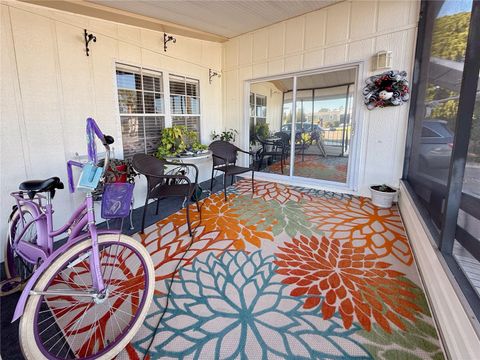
<point x="273" y="149"/>
<point x="161" y="185"/>
<point x="225" y="160"/>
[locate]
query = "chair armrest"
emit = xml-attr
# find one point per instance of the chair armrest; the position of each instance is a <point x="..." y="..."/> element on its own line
<point x="181" y="177"/>
<point x="180" y="164"/>
<point x="272" y="142"/>
<point x="246" y="152"/>
<point x="196" y="170"/>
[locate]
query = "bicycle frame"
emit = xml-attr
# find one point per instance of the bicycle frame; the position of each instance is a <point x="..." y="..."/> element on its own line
<point x="83" y="216"/>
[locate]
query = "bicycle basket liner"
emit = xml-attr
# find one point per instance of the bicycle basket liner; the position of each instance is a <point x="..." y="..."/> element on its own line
<point x="116" y="200"/>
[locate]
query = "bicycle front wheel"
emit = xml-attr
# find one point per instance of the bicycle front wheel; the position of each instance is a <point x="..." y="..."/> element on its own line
<point x="72" y="322"/>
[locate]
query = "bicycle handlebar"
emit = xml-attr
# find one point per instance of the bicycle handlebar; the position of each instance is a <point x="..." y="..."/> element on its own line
<point x="92" y="131"/>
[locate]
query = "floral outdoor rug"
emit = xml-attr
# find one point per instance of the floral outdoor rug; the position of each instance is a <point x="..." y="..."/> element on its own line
<point x="331" y="168"/>
<point x="290" y="273"/>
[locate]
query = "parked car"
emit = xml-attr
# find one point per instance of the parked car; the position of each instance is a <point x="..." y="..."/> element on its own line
<point x="435" y="145"/>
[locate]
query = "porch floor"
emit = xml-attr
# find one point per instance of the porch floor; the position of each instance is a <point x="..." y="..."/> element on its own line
<point x="288" y="273"/>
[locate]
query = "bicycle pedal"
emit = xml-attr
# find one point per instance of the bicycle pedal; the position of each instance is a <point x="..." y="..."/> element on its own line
<point x="11" y="286"/>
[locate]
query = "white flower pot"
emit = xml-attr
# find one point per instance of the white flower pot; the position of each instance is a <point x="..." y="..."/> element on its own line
<point x="382" y="199"/>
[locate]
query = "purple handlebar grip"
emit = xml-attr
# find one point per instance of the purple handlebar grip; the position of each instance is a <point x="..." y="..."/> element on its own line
<point x="92" y="130"/>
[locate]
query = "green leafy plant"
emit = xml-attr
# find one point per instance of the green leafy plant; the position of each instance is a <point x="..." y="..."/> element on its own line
<point x="305" y="137"/>
<point x="383" y="188"/>
<point x="177" y="140"/>
<point x="226" y="135"/>
<point x="262" y="130"/>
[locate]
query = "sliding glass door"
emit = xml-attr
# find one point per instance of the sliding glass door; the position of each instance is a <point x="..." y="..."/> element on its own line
<point x="305" y="127"/>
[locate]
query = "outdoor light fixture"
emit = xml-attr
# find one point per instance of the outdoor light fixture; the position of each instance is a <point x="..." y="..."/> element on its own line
<point x="88" y="37"/>
<point x="211" y="74"/>
<point x="166" y="39"/>
<point x="384" y="60"/>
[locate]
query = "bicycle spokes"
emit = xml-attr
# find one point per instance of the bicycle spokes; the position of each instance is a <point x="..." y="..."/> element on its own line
<point x="76" y="321"/>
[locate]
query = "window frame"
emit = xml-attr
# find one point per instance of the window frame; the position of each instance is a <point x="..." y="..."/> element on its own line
<point x="199" y="114"/>
<point x="167" y="114"/>
<point x="455" y="198"/>
<point x="255" y="116"/>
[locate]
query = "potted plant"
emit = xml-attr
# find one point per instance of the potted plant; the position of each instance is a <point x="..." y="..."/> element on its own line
<point x="382" y="195"/>
<point x="226" y="135"/>
<point x="119" y="171"/>
<point x="178" y="140"/>
<point x="262" y="130"/>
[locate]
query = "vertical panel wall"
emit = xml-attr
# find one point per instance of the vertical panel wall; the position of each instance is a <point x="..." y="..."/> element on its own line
<point x="49" y="87"/>
<point x="342" y="33"/>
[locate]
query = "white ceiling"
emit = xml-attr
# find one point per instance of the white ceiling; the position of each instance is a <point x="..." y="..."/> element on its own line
<point x="221" y="17"/>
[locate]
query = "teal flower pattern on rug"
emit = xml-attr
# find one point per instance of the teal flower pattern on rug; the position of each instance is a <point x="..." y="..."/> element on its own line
<point x="243" y="294"/>
<point x="234" y="307"/>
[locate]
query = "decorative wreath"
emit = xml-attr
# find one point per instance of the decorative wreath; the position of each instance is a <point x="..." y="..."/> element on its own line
<point x="387" y="89"/>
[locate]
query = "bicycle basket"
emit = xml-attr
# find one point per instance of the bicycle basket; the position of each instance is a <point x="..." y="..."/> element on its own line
<point x="116" y="200"/>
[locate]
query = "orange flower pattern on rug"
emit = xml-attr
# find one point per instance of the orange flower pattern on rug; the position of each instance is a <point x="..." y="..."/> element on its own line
<point x="319" y="258"/>
<point x="220" y="216"/>
<point x="168" y="241"/>
<point x="345" y="279"/>
<point x="364" y="225"/>
<point x="270" y="191"/>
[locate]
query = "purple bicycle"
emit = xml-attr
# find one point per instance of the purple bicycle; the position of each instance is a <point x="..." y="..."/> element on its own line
<point x="88" y="298"/>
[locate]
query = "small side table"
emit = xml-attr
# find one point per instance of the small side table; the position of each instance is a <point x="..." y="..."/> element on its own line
<point x="187" y="159"/>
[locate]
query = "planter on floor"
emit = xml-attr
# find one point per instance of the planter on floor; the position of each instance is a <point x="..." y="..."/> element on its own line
<point x="382" y="195"/>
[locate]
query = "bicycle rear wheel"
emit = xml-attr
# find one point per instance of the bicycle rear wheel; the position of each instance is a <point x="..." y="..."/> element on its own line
<point x="17" y="269"/>
<point x="81" y="326"/>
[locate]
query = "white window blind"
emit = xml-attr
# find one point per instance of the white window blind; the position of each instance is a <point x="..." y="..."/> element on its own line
<point x="142" y="108"/>
<point x="151" y="100"/>
<point x="185" y="101"/>
<point x="258" y="108"/>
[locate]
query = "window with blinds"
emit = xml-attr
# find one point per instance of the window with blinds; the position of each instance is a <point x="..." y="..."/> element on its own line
<point x="185" y="102"/>
<point x="142" y="109"/>
<point x="258" y="112"/>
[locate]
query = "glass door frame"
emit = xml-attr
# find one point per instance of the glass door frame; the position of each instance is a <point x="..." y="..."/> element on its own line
<point x="356" y="134"/>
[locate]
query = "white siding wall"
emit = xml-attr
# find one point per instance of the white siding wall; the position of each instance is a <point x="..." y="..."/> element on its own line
<point x="341" y="33"/>
<point x="49" y="87"/>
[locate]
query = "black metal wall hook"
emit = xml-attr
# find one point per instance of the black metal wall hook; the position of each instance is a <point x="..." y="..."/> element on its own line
<point x="211" y="74"/>
<point x="88" y="37"/>
<point x="166" y="39"/>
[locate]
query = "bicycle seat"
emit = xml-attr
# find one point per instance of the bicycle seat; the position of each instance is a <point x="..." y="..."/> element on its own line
<point x="35" y="186"/>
